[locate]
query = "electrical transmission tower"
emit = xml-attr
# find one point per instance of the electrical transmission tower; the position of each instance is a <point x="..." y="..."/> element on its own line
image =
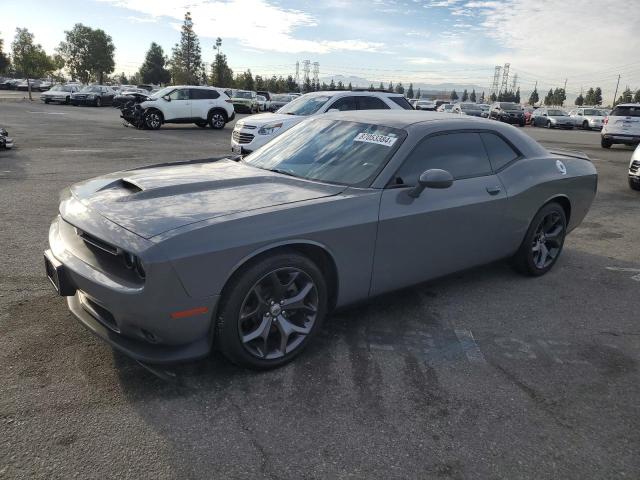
<point x="297" y="73"/>
<point x="505" y="77"/>
<point x="305" y="71"/>
<point x="316" y="73"/>
<point x="496" y="79"/>
<point x="514" y="83"/>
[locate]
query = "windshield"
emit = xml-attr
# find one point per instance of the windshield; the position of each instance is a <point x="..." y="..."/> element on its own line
<point x="556" y="113"/>
<point x="241" y="94"/>
<point x="346" y="153"/>
<point x="305" y="105"/>
<point x="510" y="106"/>
<point x="469" y="106"/>
<point x="162" y="92"/>
<point x="91" y="88"/>
<point x="448" y="106"/>
<point x="60" y="88"/>
<point x="626" y="111"/>
<point x="592" y="111"/>
<point x="281" y="98"/>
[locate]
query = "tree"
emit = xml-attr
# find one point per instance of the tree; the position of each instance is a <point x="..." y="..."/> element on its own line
<point x="122" y="79"/>
<point x="548" y="100"/>
<point x="472" y="97"/>
<point x="597" y="96"/>
<point x="152" y="70"/>
<point x="454" y="95"/>
<point x="465" y="95"/>
<point x="381" y="87"/>
<point x="340" y="85"/>
<point x="186" y="59"/>
<point x="590" y="98"/>
<point x="371" y="87"/>
<point x="399" y="88"/>
<point x="221" y="74"/>
<point x="410" y="91"/>
<point x="332" y="85"/>
<point x="4" y="59"/>
<point x="493" y="97"/>
<point x="349" y="87"/>
<point x="291" y="84"/>
<point x="559" y="96"/>
<point x="626" y="97"/>
<point x="482" y="97"/>
<point x="516" y="97"/>
<point x="29" y="59"/>
<point x="87" y="53"/>
<point x="534" y="97"/>
<point x="636" y="97"/>
<point x="390" y="88"/>
<point x="418" y="93"/>
<point x="306" y="87"/>
<point x="579" y="100"/>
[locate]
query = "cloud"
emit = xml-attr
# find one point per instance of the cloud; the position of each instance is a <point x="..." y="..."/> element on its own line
<point x="255" y="24"/>
<point x="134" y="19"/>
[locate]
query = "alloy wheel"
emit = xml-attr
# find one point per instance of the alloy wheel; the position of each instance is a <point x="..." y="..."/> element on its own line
<point x="547" y="240"/>
<point x="278" y="313"/>
<point x="217" y="120"/>
<point x="153" y="120"/>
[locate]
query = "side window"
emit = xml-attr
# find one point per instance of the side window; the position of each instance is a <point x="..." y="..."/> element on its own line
<point x="180" y="94"/>
<point x="462" y="154"/>
<point x="500" y="152"/>
<point x="203" y="94"/>
<point x="371" y="103"/>
<point x="343" y="104"/>
<point x="402" y="102"/>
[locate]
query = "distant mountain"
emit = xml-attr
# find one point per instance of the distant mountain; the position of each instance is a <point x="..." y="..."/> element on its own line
<point x="439" y="89"/>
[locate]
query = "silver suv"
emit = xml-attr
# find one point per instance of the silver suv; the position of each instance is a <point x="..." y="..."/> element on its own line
<point x="587" y="117"/>
<point x="622" y="125"/>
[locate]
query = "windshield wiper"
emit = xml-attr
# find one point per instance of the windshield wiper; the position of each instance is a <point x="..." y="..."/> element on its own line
<point x="283" y="172"/>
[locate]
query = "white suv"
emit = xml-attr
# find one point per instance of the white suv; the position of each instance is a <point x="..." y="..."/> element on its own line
<point x="252" y="132"/>
<point x="622" y="125"/>
<point x="188" y="104"/>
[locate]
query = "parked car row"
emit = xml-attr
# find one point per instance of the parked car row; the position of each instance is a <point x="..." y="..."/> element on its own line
<point x="23" y="84"/>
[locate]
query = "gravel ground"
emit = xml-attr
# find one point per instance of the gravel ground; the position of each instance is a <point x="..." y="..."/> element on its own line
<point x="483" y="374"/>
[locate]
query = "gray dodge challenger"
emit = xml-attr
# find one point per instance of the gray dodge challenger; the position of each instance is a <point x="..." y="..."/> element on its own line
<point x="248" y="255"/>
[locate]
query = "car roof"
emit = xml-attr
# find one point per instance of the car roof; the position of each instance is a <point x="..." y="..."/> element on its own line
<point x="627" y="105"/>
<point x="396" y="118"/>
<point x="334" y="93"/>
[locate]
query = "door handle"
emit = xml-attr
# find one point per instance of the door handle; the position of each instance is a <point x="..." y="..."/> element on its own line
<point x="493" y="190"/>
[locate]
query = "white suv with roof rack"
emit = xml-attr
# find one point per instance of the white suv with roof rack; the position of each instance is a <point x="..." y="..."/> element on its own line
<point x="622" y="125"/>
<point x="252" y="132"/>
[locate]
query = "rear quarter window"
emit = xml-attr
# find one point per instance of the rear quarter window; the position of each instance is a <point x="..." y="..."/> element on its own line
<point x="402" y="102"/>
<point x="500" y="152"/>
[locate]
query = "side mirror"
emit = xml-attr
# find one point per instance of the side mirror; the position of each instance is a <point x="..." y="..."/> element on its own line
<point x="331" y="110"/>
<point x="432" y="178"/>
<point x="167" y="98"/>
<point x="544" y="114"/>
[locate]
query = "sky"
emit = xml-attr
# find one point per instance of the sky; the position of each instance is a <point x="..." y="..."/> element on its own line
<point x="587" y="42"/>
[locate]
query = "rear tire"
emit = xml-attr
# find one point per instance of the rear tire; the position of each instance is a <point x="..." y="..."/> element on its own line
<point x="543" y="242"/>
<point x="585" y="125"/>
<point x="605" y="143"/>
<point x="217" y="120"/>
<point x="634" y="185"/>
<point x="254" y="323"/>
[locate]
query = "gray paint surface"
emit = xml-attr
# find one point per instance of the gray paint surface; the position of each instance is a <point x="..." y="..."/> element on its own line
<point x="196" y="224"/>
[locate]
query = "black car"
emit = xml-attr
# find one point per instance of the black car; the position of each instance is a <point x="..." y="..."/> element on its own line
<point x="96" y="95"/>
<point x="507" y="112"/>
<point x="278" y="101"/>
<point x="10" y="84"/>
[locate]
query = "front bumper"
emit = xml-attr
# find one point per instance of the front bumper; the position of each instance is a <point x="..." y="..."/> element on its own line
<point x="6" y="142"/>
<point x="513" y="120"/>
<point x="627" y="139"/>
<point x="54" y="98"/>
<point x="83" y="101"/>
<point x="247" y="141"/>
<point x="136" y="318"/>
<point x="243" y="107"/>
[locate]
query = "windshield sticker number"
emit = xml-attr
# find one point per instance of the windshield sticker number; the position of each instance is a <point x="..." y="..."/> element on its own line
<point x="377" y="139"/>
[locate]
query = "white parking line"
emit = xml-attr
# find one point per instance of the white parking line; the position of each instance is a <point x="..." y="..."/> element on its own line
<point x="469" y="346"/>
<point x="627" y="269"/>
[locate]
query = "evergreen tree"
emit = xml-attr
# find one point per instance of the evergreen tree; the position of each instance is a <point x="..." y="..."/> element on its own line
<point x="597" y="96"/>
<point x="340" y="85"/>
<point x="534" y="97"/>
<point x="152" y="70"/>
<point x="221" y="74"/>
<point x="559" y="96"/>
<point x="590" y="98"/>
<point x="472" y="97"/>
<point x="259" y="82"/>
<point x="390" y="87"/>
<point x="324" y="87"/>
<point x="381" y="87"/>
<point x="410" y="91"/>
<point x="332" y="85"/>
<point x="4" y="59"/>
<point x="482" y="97"/>
<point x="399" y="88"/>
<point x="579" y="100"/>
<point x="454" y="95"/>
<point x="493" y="97"/>
<point x="548" y="100"/>
<point x="371" y="87"/>
<point x="465" y="95"/>
<point x="186" y="60"/>
<point x="306" y="86"/>
<point x="418" y="94"/>
<point x="247" y="81"/>
<point x="626" y="97"/>
<point x="291" y="84"/>
<point x="349" y="87"/>
<point x="636" y="97"/>
<point x="516" y="97"/>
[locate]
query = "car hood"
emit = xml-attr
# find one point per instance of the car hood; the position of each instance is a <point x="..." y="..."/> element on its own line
<point x="153" y="200"/>
<point x="264" y="118"/>
<point x="560" y="118"/>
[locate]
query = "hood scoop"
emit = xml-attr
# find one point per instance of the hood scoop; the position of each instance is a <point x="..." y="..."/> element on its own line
<point x="130" y="185"/>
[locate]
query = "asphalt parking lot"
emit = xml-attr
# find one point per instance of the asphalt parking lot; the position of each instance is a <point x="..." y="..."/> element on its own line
<point x="481" y="375"/>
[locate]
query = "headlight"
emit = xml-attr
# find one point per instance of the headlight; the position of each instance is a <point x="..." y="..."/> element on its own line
<point x="238" y="126"/>
<point x="553" y="120"/>
<point x="269" y="128"/>
<point x="91" y="95"/>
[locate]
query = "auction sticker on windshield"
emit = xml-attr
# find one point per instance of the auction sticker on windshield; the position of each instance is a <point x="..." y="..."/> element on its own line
<point x="373" y="138"/>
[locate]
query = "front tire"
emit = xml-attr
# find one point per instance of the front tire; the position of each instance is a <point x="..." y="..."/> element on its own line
<point x="605" y="143"/>
<point x="548" y="124"/>
<point x="543" y="242"/>
<point x="271" y="310"/>
<point x="153" y="120"/>
<point x="585" y="126"/>
<point x="98" y="102"/>
<point x="634" y="185"/>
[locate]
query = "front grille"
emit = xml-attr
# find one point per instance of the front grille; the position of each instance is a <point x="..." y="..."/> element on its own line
<point x="635" y="166"/>
<point x="98" y="312"/>
<point x="242" y="137"/>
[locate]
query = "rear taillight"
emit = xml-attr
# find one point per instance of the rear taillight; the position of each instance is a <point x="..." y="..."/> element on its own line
<point x="606" y="120"/>
<point x="228" y="100"/>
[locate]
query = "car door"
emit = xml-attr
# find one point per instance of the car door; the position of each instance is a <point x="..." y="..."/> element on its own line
<point x="202" y="100"/>
<point x="179" y="106"/>
<point x="443" y="230"/>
